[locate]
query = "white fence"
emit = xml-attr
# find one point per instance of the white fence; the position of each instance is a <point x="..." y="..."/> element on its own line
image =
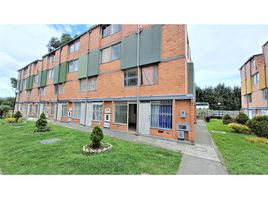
<point x="217" y="113"/>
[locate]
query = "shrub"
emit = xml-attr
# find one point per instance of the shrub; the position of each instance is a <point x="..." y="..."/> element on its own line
<point x="241" y="118"/>
<point x="17" y="115"/>
<point x="226" y="119"/>
<point x="10" y="120"/>
<point x="96" y="136"/>
<point x="257" y="140"/>
<point x="207" y="118"/>
<point x="41" y="123"/>
<point x="259" y="126"/>
<point x="240" y="128"/>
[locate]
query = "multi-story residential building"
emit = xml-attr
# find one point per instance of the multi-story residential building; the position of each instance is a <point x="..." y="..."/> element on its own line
<point x="137" y="78"/>
<point x="254" y="84"/>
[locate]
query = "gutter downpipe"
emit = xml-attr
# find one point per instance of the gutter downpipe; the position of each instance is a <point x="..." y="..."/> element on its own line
<point x="57" y="98"/>
<point x="88" y="48"/>
<point x="138" y="85"/>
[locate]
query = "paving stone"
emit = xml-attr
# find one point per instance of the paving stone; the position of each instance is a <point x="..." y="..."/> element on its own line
<point x="50" y="141"/>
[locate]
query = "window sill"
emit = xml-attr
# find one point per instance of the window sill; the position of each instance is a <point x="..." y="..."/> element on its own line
<point x="162" y="129"/>
<point x="119" y="124"/>
<point x="109" y="61"/>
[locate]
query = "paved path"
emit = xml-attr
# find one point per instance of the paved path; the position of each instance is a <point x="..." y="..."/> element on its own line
<point x="207" y="162"/>
<point x="201" y="158"/>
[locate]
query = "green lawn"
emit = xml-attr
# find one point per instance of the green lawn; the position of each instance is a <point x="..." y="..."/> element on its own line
<point x="240" y="156"/>
<point x="22" y="153"/>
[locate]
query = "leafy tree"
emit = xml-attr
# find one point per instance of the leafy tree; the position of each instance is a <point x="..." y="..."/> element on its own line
<point x="55" y="42"/>
<point x="17" y="115"/>
<point x="4" y="109"/>
<point x="41" y="123"/>
<point x="96" y="136"/>
<point x="230" y="98"/>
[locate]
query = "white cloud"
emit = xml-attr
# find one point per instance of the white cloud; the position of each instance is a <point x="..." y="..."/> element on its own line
<point x="20" y="45"/>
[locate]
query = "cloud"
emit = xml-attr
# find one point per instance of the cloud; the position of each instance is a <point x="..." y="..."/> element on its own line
<point x="218" y="51"/>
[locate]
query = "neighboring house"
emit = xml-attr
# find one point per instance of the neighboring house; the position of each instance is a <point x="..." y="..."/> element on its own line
<point x="202" y="105"/>
<point x="123" y="77"/>
<point x="254" y="85"/>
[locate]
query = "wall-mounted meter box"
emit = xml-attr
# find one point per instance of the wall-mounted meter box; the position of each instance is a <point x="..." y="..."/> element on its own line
<point x="107" y="110"/>
<point x="183" y="127"/>
<point x="183" y="114"/>
<point x="181" y="135"/>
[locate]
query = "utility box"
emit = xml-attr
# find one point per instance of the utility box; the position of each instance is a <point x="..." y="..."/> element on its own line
<point x="181" y="135"/>
<point x="183" y="114"/>
<point x="182" y="129"/>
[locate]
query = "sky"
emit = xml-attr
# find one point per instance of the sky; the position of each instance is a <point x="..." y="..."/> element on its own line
<point x="218" y="51"/>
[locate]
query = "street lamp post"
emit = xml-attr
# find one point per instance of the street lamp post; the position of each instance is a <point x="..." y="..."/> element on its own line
<point x="219" y="104"/>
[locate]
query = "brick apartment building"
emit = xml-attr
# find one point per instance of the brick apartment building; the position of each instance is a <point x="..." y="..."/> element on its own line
<point x="254" y="84"/>
<point x="135" y="78"/>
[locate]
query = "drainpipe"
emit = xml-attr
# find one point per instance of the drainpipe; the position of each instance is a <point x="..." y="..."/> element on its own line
<point x="138" y="85"/>
<point x="57" y="97"/>
<point x="88" y="48"/>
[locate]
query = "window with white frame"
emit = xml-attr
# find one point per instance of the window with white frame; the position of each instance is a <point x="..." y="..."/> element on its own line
<point x="97" y="112"/>
<point x="77" y="110"/>
<point x="51" y="59"/>
<point x="255" y="78"/>
<point x="249" y="97"/>
<point x="109" y="29"/>
<point x="120" y="112"/>
<point x="52" y="108"/>
<point x="41" y="91"/>
<point x="29" y="93"/>
<point x="265" y="94"/>
<point x="59" y="89"/>
<point x="64" y="110"/>
<point x="73" y="65"/>
<point x="83" y="85"/>
<point x="131" y="77"/>
<point x="253" y="64"/>
<point x="36" y="78"/>
<point x="161" y="114"/>
<point x="149" y="75"/>
<point x="74" y="46"/>
<point x="50" y="74"/>
<point x="110" y="53"/>
<point x="92" y="84"/>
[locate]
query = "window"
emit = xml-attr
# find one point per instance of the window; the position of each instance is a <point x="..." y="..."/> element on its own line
<point x="110" y="29"/>
<point x="51" y="59"/>
<point x="52" y="108"/>
<point x="255" y="78"/>
<point x="29" y="93"/>
<point x="59" y="89"/>
<point x="77" y="110"/>
<point x="64" y="110"/>
<point x="120" y="113"/>
<point x="41" y="91"/>
<point x="30" y="108"/>
<point x="97" y="112"/>
<point x="36" y="78"/>
<point x="110" y="53"/>
<point x="74" y="46"/>
<point x="253" y="64"/>
<point x="265" y="94"/>
<point x="249" y="97"/>
<point x="50" y="74"/>
<point x="92" y="84"/>
<point x="161" y="114"/>
<point x="83" y="85"/>
<point x="116" y="51"/>
<point x="131" y="77"/>
<point x="149" y="75"/>
<point x="73" y="65"/>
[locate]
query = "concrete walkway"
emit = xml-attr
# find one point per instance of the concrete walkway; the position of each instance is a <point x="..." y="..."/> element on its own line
<point x="201" y="158"/>
<point x="206" y="163"/>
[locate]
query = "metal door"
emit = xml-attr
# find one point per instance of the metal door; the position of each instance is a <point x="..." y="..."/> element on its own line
<point x="144" y="118"/>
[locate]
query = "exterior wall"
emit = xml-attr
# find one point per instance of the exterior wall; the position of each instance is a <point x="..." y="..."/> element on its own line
<point x="172" y="78"/>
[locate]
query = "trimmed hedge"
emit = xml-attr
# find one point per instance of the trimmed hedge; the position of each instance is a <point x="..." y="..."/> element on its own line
<point x="241" y="118"/>
<point x="226" y="119"/>
<point x="240" y="128"/>
<point x="259" y="126"/>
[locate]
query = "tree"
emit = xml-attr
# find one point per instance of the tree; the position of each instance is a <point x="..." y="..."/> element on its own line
<point x="55" y="42"/>
<point x="230" y="98"/>
<point x="14" y="83"/>
<point x="41" y="123"/>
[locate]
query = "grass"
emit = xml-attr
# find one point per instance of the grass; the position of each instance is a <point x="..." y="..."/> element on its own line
<point x="240" y="155"/>
<point x="22" y="153"/>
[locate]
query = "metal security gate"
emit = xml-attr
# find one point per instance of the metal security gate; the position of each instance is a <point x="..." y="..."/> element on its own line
<point x="144" y="118"/>
<point x="82" y="113"/>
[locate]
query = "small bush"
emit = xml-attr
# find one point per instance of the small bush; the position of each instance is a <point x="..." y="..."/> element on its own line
<point x="257" y="140"/>
<point x="207" y="118"/>
<point x="10" y="120"/>
<point x="226" y="119"/>
<point x="241" y="118"/>
<point x="17" y="115"/>
<point x="96" y="136"/>
<point x="259" y="126"/>
<point x="41" y="124"/>
<point x="240" y="128"/>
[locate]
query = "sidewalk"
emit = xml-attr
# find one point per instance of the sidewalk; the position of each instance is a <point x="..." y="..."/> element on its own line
<point x="200" y="158"/>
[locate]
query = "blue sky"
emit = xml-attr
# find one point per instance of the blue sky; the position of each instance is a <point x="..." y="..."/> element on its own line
<point x="217" y="50"/>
